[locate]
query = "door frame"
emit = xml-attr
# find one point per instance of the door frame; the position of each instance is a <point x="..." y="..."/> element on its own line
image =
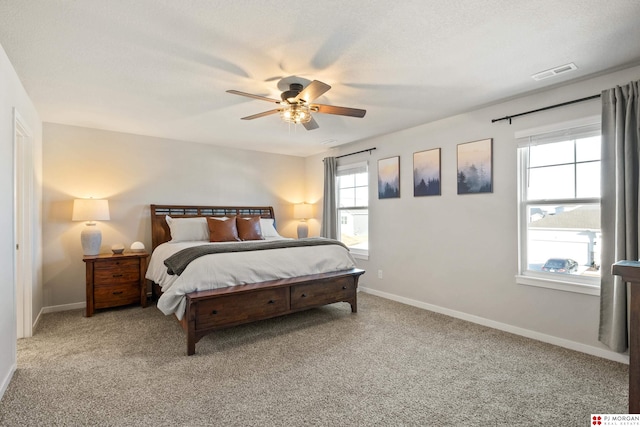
<point x="23" y="225"/>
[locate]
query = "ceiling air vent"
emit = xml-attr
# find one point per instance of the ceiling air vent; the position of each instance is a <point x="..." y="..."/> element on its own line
<point x="329" y="142"/>
<point x="554" y="71"/>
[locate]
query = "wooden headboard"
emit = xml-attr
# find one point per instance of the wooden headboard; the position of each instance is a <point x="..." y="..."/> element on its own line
<point x="160" y="229"/>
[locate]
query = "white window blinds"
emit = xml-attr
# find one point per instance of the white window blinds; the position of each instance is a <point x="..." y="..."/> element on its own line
<point x="579" y="130"/>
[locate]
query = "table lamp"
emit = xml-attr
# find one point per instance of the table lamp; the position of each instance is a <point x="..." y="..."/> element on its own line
<point x="90" y="210"/>
<point x="302" y="212"/>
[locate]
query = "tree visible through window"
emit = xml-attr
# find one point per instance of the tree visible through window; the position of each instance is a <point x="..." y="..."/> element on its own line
<point x="353" y="207"/>
<point x="560" y="204"/>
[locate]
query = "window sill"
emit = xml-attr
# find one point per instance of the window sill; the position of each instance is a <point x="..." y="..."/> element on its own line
<point x="560" y="285"/>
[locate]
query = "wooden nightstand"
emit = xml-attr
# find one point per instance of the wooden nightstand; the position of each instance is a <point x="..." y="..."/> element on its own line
<point x="114" y="280"/>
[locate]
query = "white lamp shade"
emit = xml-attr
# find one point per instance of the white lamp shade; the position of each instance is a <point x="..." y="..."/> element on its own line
<point x="90" y="210"/>
<point x="302" y="211"/>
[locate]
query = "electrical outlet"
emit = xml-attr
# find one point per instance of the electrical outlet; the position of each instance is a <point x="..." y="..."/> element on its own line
<point x="379" y="274"/>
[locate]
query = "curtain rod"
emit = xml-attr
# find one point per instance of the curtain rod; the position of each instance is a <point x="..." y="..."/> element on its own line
<point x="546" y="108"/>
<point x="368" y="150"/>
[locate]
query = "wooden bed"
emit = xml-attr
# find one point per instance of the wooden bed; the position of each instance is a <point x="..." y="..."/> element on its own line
<point x="207" y="311"/>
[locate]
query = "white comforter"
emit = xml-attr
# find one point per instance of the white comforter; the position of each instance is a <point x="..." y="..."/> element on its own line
<point x="238" y="268"/>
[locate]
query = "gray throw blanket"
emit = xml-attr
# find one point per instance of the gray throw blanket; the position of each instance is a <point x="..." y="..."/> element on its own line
<point x="177" y="262"/>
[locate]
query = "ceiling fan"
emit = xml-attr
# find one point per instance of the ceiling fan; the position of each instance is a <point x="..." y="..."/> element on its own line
<point x="296" y="104"/>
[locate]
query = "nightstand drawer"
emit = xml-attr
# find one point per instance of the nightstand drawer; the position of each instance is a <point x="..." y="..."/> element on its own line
<point x="116" y="272"/>
<point x="115" y="295"/>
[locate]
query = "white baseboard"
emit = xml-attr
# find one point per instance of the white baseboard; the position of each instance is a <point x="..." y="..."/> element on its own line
<point x="561" y="342"/>
<point x="35" y="324"/>
<point x="7" y="379"/>
<point x="63" y="307"/>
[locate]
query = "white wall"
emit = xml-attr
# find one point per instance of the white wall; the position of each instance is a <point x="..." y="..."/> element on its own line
<point x="133" y="171"/>
<point x="13" y="95"/>
<point x="458" y="254"/>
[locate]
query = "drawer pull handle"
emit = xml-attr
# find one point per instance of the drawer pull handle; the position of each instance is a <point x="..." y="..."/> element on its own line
<point x="271" y="302"/>
<point x="214" y="312"/>
<point x="117" y="293"/>
<point x="344" y="287"/>
<point x="118" y="275"/>
<point x="303" y="295"/>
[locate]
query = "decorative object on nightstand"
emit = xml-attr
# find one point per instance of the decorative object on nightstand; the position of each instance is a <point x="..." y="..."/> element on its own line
<point x="117" y="248"/>
<point x="90" y="210"/>
<point x="302" y="211"/>
<point x="137" y="247"/>
<point x="115" y="279"/>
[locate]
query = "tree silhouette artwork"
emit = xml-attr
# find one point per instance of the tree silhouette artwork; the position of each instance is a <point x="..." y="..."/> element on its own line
<point x="426" y="173"/>
<point x="463" y="187"/>
<point x="389" y="178"/>
<point x="474" y="167"/>
<point x="429" y="188"/>
<point x="388" y="191"/>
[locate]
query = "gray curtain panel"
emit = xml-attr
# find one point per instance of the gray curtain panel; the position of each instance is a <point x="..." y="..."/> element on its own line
<point x="620" y="133"/>
<point x="329" y="227"/>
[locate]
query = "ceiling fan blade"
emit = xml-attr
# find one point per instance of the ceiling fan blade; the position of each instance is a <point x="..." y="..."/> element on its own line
<point x="265" y="113"/>
<point x="250" y="95"/>
<point x="340" y="111"/>
<point x="312" y="91"/>
<point x="311" y="124"/>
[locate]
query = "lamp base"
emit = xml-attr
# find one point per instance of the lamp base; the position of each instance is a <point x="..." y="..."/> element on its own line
<point x="91" y="239"/>
<point x="303" y="230"/>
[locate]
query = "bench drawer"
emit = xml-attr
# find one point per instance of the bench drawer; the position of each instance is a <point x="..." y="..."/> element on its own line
<point x="241" y="308"/>
<point x="321" y="293"/>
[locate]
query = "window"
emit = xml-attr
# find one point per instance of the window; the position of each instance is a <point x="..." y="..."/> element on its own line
<point x="353" y="207"/>
<point x="559" y="207"/>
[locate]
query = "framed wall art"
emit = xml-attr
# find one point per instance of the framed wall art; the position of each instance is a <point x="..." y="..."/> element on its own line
<point x="389" y="178"/>
<point x="475" y="167"/>
<point x="426" y="173"/>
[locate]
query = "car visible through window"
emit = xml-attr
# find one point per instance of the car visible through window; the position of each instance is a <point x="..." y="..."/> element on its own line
<point x="560" y="265"/>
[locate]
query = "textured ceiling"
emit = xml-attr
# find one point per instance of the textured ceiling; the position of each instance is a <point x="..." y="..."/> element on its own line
<point x="161" y="67"/>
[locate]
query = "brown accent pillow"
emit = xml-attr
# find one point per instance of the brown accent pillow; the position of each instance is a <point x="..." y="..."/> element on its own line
<point x="223" y="230"/>
<point x="249" y="228"/>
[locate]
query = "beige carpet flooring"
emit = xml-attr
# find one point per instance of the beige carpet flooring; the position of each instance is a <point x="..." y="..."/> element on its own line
<point x="388" y="365"/>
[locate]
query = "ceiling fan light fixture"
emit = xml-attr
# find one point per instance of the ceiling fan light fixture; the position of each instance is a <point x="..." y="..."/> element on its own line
<point x="296" y="113"/>
<point x="296" y="105"/>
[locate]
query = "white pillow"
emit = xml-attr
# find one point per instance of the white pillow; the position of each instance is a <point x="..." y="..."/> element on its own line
<point x="188" y="229"/>
<point x="268" y="230"/>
